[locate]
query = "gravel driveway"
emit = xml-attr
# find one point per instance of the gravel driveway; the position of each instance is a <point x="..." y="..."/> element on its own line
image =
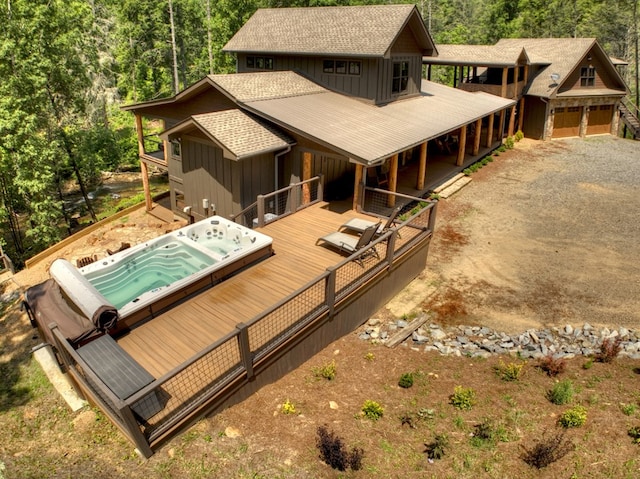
<point x="548" y="234"/>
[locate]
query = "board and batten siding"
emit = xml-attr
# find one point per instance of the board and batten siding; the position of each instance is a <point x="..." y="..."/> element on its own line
<point x="603" y="77"/>
<point x="230" y="185"/>
<point x="385" y="77"/>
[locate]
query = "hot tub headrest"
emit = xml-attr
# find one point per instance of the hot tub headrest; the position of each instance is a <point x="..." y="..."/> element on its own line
<point x="83" y="294"/>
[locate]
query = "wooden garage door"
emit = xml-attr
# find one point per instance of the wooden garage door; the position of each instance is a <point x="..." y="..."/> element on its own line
<point x="600" y="119"/>
<point x="567" y="122"/>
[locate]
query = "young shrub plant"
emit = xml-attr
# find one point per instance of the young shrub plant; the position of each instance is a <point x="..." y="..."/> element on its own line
<point x="334" y="452"/>
<point x="551" y="365"/>
<point x="510" y="371"/>
<point x="609" y="350"/>
<point x="547" y="451"/>
<point x="406" y="380"/>
<point x="326" y="371"/>
<point x="561" y="393"/>
<point x="574" y="417"/>
<point x="372" y="410"/>
<point x="463" y="398"/>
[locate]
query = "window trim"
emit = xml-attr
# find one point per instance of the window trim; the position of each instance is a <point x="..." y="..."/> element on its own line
<point x="401" y="78"/>
<point x="588" y="76"/>
<point x="176" y="150"/>
<point x="253" y="62"/>
<point x="330" y="67"/>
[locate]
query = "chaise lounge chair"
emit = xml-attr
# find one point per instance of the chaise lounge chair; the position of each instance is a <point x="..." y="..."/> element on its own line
<point x="359" y="225"/>
<point x="350" y="244"/>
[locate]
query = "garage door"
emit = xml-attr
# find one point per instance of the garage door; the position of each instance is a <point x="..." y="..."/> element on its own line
<point x="567" y="122"/>
<point x="600" y="119"/>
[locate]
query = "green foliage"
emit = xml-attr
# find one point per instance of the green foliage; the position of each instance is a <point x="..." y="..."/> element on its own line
<point x="326" y="371"/>
<point x="288" y="407"/>
<point x="488" y="434"/>
<point x="588" y="364"/>
<point x="562" y="392"/>
<point x="438" y="448"/>
<point x="463" y="398"/>
<point x="628" y="409"/>
<point x="574" y="417"/>
<point x="510" y="371"/>
<point x="369" y="356"/>
<point x="372" y="410"/>
<point x="519" y="135"/>
<point x="634" y="432"/>
<point x="509" y="143"/>
<point x="406" y="380"/>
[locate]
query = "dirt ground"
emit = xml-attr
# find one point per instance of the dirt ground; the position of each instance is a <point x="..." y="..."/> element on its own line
<point x="543" y="235"/>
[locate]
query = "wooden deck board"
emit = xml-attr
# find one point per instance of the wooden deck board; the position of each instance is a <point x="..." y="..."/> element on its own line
<point x="168" y="340"/>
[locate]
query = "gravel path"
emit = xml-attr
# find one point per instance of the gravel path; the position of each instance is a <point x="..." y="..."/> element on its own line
<point x="548" y="234"/>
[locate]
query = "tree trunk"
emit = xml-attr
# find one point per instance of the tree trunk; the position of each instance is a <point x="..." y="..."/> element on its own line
<point x="209" y="44"/>
<point x="12" y="217"/>
<point x="176" y="81"/>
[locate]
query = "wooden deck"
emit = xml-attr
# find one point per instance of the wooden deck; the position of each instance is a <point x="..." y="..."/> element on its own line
<point x="170" y="339"/>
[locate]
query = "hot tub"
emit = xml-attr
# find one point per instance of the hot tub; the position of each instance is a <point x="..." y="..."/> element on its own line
<point x="147" y="278"/>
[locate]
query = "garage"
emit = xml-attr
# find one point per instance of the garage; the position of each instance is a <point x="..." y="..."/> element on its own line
<point x="567" y="122"/>
<point x="599" y="119"/>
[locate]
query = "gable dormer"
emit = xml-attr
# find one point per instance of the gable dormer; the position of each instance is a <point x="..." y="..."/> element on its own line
<point x="371" y="52"/>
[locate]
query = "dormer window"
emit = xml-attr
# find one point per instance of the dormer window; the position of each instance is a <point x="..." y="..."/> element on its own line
<point x="400" y="77"/>
<point x="587" y="76"/>
<point x="260" y="63"/>
<point x="341" y="67"/>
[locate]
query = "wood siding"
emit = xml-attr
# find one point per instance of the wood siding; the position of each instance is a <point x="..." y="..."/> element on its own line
<point x="338" y="176"/>
<point x="385" y="78"/>
<point x="208" y="101"/>
<point x="603" y="77"/>
<point x="204" y="173"/>
<point x="535" y="114"/>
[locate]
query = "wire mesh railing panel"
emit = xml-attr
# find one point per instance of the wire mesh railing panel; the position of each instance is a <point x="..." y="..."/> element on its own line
<point x="350" y="275"/>
<point x="189" y="388"/>
<point x="270" y="330"/>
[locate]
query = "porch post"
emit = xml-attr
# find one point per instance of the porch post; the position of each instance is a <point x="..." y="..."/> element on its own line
<point x="501" y="124"/>
<point x="306" y="174"/>
<point x="516" y="70"/>
<point x="144" y="171"/>
<point x="505" y="75"/>
<point x="521" y="118"/>
<point x="357" y="187"/>
<point x="490" y="131"/>
<point x="512" y="120"/>
<point x="393" y="180"/>
<point x="462" y="145"/>
<point x="584" y="121"/>
<point x="476" y="139"/>
<point x="422" y="167"/>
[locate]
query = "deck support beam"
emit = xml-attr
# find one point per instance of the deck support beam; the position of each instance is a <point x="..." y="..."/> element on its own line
<point x="476" y="138"/>
<point x="422" y="166"/>
<point x="505" y="76"/>
<point x="393" y="180"/>
<point x="357" y="187"/>
<point x="521" y="117"/>
<point x="512" y="120"/>
<point x="306" y="175"/>
<point x="462" y="145"/>
<point x="143" y="166"/>
<point x="490" y="131"/>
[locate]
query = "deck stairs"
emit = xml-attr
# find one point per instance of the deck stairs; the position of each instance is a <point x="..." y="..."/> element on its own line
<point x="629" y="114"/>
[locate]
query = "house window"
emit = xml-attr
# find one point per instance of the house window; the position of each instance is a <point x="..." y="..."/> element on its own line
<point x="260" y="63"/>
<point x="176" y="151"/>
<point x="341" y="67"/>
<point x="400" y="77"/>
<point x="587" y="76"/>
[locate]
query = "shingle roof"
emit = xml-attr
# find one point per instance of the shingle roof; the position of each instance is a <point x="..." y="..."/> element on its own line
<point x="369" y="133"/>
<point x="265" y="85"/>
<point x="237" y="132"/>
<point x="481" y="55"/>
<point x="357" y="30"/>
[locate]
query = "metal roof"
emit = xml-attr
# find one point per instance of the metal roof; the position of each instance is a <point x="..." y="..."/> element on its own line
<point x="351" y="31"/>
<point x="367" y="133"/>
<point x="238" y="133"/>
<point x="479" y="55"/>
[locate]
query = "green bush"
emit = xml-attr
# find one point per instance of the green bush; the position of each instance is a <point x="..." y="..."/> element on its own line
<point x="326" y="371"/>
<point x="562" y="392"/>
<point x="509" y="143"/>
<point x="463" y="398"/>
<point x="372" y="410"/>
<point x="519" y="135"/>
<point x="502" y="149"/>
<point x="574" y="417"/>
<point x="437" y="448"/>
<point x="406" y="380"/>
<point x="509" y="371"/>
<point x="634" y="432"/>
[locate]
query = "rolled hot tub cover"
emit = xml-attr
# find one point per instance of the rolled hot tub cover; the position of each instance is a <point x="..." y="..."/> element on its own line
<point x="82" y="293"/>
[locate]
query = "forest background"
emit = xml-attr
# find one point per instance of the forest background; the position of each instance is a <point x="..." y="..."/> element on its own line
<point x="66" y="67"/>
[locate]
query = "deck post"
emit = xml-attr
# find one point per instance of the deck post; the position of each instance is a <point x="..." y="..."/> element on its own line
<point x="357" y="187"/>
<point x="141" y="443"/>
<point x="512" y="120"/>
<point x="306" y="175"/>
<point x="391" y="243"/>
<point x="505" y="76"/>
<point x="245" y="351"/>
<point x="260" y="206"/>
<point x="432" y="217"/>
<point x="330" y="290"/>
<point x="521" y="117"/>
<point x="476" y="138"/>
<point x="143" y="166"/>
<point x="422" y="167"/>
<point x="462" y="145"/>
<point x="490" y="131"/>
<point x="393" y="180"/>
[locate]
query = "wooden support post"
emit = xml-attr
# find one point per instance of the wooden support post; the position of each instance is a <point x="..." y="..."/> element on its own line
<point x="422" y="166"/>
<point x="521" y="117"/>
<point x="455" y="76"/>
<point x="393" y="180"/>
<point x="505" y="76"/>
<point x="144" y="171"/>
<point x="246" y="358"/>
<point x="512" y="120"/>
<point x="306" y="174"/>
<point x="501" y="125"/>
<point x="516" y="70"/>
<point x="462" y="145"/>
<point x="330" y="291"/>
<point x="490" y="131"/>
<point x="357" y="187"/>
<point x="476" y="138"/>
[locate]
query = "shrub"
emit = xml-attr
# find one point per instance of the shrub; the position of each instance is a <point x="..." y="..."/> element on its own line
<point x="509" y="143"/>
<point x="588" y="364"/>
<point x="502" y="148"/>
<point x="519" y="135"/>
<point x="509" y="371"/>
<point x="628" y="409"/>
<point x="372" y="410"/>
<point x="288" y="407"/>
<point x="561" y="393"/>
<point x="609" y="350"/>
<point x="326" y="371"/>
<point x="463" y="398"/>
<point x="547" y="451"/>
<point x="484" y="434"/>
<point x="335" y="453"/>
<point x="406" y="380"/>
<point x="574" y="417"/>
<point x="634" y="432"/>
<point x="437" y="448"/>
<point x="369" y="356"/>
<point x="551" y="365"/>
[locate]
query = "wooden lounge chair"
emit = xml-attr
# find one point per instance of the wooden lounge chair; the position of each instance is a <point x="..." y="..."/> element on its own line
<point x="350" y="244"/>
<point x="359" y="225"/>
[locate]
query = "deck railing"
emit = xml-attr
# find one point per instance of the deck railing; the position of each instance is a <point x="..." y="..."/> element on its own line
<point x="208" y="376"/>
<point x="283" y="202"/>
